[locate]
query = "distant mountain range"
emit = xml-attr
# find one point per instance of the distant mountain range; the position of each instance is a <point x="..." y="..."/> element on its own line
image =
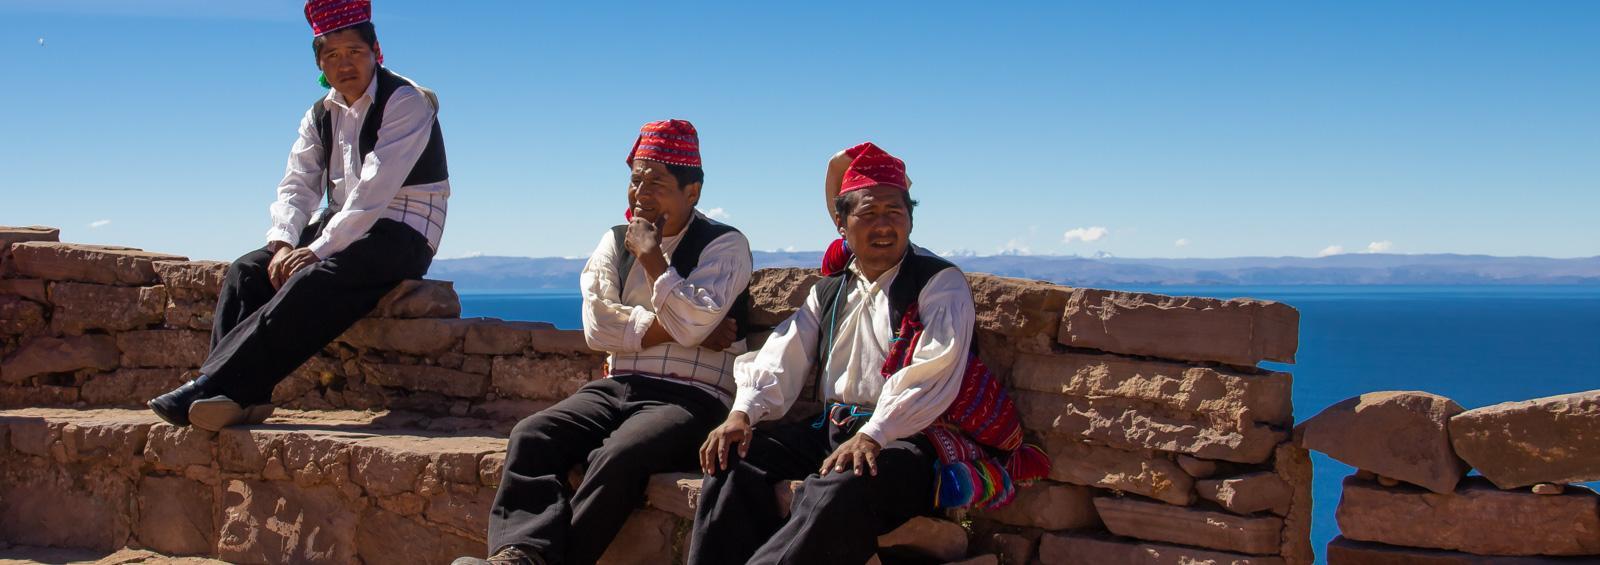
<point x="525" y="273"/>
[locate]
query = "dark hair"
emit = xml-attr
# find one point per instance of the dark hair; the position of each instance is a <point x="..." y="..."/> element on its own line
<point x="686" y="175"/>
<point x="368" y="34"/>
<point x="844" y="204"/>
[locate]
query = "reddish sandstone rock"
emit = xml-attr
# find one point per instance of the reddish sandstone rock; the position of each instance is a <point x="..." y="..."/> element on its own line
<point x="1183" y="525"/>
<point x="1134" y="425"/>
<point x="543" y="378"/>
<point x="97" y="264"/>
<point x="562" y="342"/>
<point x="191" y="314"/>
<point x="426" y="336"/>
<point x="490" y="467"/>
<point x="1547" y="440"/>
<point x="645" y="539"/>
<point x="1293" y="466"/>
<point x="1346" y="551"/>
<point x="1026" y="312"/>
<point x="20" y="317"/>
<point x="940" y="539"/>
<point x="192" y="280"/>
<point x="1244" y="396"/>
<point x="30" y="289"/>
<point x="1069" y="548"/>
<point x="10" y="235"/>
<point x="489" y="336"/>
<point x="173" y="448"/>
<point x="1138" y="472"/>
<point x="464" y="509"/>
<point x="1237" y="332"/>
<point x="420" y="299"/>
<point x="1048" y="506"/>
<point x="775" y="294"/>
<point x="164" y="348"/>
<point x="426" y="378"/>
<point x="1012" y="548"/>
<point x="1197" y="468"/>
<point x="1401" y="434"/>
<point x="80" y="307"/>
<point x="44" y="355"/>
<point x="674" y="493"/>
<point x="277" y="522"/>
<point x="132" y="387"/>
<point x="382" y="537"/>
<point x="54" y="506"/>
<point x="175" y="516"/>
<point x="1477" y="518"/>
<point x="1248" y="493"/>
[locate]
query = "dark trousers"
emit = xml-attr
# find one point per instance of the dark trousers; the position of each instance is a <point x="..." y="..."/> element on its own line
<point x="626" y="428"/>
<point x="261" y="334"/>
<point x="834" y="519"/>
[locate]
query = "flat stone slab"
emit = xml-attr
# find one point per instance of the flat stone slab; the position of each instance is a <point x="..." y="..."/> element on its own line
<point x="1071" y="548"/>
<point x="1547" y="440"/>
<point x="1477" y="518"/>
<point x="1346" y="551"/>
<point x="1402" y="435"/>
<point x="1048" y="506"/>
<point x="420" y="299"/>
<point x="1241" y="395"/>
<point x="1155" y="521"/>
<point x="775" y="294"/>
<point x="99" y="264"/>
<point x="1140" y="472"/>
<point x="1236" y="332"/>
<point x="192" y="280"/>
<point x="1135" y="425"/>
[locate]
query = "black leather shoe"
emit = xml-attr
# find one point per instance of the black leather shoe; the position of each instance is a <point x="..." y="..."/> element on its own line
<point x="173" y="407"/>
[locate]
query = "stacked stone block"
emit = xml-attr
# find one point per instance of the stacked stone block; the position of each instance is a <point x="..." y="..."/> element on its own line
<point x="1411" y="500"/>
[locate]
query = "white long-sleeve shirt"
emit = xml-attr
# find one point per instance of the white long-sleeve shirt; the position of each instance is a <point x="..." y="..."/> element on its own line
<point x="770" y="380"/>
<point x="687" y="308"/>
<point x="376" y="192"/>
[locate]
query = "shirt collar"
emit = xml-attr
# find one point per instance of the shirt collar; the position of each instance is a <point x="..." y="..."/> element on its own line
<point x="335" y="101"/>
<point x="883" y="281"/>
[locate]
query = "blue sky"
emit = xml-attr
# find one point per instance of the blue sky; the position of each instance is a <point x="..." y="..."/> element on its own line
<point x="1156" y="129"/>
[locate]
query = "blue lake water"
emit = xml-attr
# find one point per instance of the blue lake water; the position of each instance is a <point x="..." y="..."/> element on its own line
<point x="1478" y="345"/>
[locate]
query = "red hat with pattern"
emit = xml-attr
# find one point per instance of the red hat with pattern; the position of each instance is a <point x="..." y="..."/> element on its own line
<point x="872" y="166"/>
<point x="333" y="15"/>
<point x="673" y="142"/>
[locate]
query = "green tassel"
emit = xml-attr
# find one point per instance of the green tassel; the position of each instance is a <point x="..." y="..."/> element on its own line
<point x="322" y="79"/>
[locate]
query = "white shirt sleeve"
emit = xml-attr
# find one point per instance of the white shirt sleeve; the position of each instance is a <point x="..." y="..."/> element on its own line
<point x="921" y="391"/>
<point x="609" y="324"/>
<point x="300" y="191"/>
<point x="689" y="309"/>
<point x="769" y="381"/>
<point x="407" y="124"/>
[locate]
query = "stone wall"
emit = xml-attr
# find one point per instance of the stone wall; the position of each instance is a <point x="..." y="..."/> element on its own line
<point x="1169" y="444"/>
<point x="1411" y="500"/>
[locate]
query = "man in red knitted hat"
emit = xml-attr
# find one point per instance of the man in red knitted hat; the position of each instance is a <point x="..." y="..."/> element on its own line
<point x="665" y="296"/>
<point x="867" y="468"/>
<point x="371" y="148"/>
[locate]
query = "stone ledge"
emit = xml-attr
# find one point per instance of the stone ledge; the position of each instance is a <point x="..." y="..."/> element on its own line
<point x="97" y="264"/>
<point x="1239" y="332"/>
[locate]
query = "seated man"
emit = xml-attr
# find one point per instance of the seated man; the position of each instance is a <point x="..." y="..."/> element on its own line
<point x="664" y="295"/>
<point x="372" y="147"/>
<point x="867" y="469"/>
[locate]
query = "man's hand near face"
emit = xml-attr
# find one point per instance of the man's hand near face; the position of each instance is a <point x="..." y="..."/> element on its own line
<point x="643" y="240"/>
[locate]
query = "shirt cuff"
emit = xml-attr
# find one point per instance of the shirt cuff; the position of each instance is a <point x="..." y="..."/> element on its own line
<point x="639" y="320"/>
<point x="875" y="431"/>
<point x="281" y="233"/>
<point x="323" y="247"/>
<point x="663" y="287"/>
<point x="750" y="406"/>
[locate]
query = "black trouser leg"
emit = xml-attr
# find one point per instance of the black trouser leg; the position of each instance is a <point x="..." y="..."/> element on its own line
<point x="531" y="507"/>
<point x="313" y="307"/>
<point x="738" y="509"/>
<point x="837" y="518"/>
<point x="661" y="433"/>
<point x="246" y="288"/>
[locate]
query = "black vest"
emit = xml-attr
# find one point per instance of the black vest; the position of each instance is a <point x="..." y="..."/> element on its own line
<point x="919" y="267"/>
<point x="431" y="166"/>
<point x="700" y="233"/>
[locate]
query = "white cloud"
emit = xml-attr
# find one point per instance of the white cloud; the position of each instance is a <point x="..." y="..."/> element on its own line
<point x="789" y="249"/>
<point x="1085" y="234"/>
<point x="1181" y="242"/>
<point x="466" y="255"/>
<point x="1331" y="250"/>
<point x="97" y="224"/>
<point x="718" y="214"/>
<point x="1380" y="246"/>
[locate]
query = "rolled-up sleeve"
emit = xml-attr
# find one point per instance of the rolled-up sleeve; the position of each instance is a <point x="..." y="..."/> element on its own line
<point x="690" y="308"/>
<point x="300" y="191"/>
<point x="919" y="393"/>
<point x="769" y="381"/>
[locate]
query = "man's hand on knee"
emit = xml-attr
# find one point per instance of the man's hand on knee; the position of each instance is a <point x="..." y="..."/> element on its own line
<point x="858" y="452"/>
<point x="287" y="262"/>
<point x="734" y="432"/>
